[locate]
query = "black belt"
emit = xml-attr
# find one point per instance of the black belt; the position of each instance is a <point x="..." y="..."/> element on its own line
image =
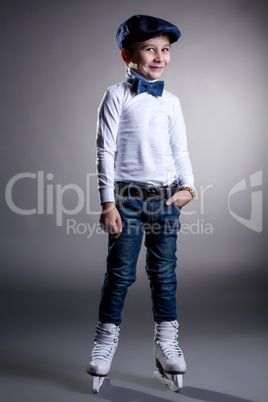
<point x="145" y="191"/>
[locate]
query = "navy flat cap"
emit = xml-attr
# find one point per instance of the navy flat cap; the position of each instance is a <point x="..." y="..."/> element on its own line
<point x="139" y="28"/>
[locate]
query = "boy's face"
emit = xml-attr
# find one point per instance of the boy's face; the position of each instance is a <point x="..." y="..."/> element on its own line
<point x="151" y="57"/>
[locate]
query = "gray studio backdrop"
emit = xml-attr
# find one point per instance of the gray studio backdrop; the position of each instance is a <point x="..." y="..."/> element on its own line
<point x="58" y="57"/>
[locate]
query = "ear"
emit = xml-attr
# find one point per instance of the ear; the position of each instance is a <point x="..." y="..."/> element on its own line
<point x="125" y="54"/>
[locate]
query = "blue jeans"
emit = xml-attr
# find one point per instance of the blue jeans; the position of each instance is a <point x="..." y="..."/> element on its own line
<point x="159" y="224"/>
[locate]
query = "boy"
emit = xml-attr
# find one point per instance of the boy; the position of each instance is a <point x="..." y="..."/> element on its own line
<point x="145" y="178"/>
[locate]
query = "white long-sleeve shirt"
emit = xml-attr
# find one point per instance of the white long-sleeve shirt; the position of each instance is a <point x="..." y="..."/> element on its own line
<point x="140" y="138"/>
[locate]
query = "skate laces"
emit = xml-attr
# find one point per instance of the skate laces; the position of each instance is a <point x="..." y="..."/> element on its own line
<point x="166" y="336"/>
<point x="105" y="343"/>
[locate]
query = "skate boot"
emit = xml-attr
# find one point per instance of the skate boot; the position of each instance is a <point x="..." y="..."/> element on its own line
<point x="105" y="344"/>
<point x="169" y="356"/>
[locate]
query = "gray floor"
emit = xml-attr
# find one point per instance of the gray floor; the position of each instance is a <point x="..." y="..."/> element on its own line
<point x="46" y="338"/>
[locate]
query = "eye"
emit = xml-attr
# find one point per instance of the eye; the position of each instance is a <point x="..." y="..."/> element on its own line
<point x="165" y="49"/>
<point x="150" y="49"/>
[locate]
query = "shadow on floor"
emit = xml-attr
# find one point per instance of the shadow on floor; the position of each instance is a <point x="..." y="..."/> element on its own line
<point x="71" y="376"/>
<point x="115" y="393"/>
<point x="210" y="396"/>
<point x="68" y="375"/>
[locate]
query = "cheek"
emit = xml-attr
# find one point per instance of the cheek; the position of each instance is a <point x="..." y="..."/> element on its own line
<point x="140" y="62"/>
<point x="145" y="60"/>
<point x="167" y="61"/>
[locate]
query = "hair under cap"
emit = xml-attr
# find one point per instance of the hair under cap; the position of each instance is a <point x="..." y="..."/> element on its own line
<point x="139" y="28"/>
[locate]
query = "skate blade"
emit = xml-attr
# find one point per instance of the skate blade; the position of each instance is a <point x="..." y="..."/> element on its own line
<point x="97" y="383"/>
<point x="171" y="381"/>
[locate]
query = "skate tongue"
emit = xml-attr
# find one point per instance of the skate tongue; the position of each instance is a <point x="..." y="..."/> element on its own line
<point x="168" y="324"/>
<point x="106" y="325"/>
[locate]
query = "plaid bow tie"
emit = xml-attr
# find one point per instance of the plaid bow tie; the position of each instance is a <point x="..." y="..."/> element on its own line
<point x="139" y="86"/>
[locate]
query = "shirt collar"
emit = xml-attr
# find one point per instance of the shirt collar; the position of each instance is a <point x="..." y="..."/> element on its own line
<point x="132" y="74"/>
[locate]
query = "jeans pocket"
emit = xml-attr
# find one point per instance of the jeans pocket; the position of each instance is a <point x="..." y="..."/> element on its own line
<point x="119" y="199"/>
<point x="175" y="205"/>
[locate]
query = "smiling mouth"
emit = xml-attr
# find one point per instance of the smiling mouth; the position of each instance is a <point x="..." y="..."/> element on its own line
<point x="156" y="67"/>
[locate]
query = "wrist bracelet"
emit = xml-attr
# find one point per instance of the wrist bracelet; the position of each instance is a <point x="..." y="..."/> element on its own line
<point x="191" y="191"/>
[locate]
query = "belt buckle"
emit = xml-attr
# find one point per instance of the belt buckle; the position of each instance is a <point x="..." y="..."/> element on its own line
<point x="153" y="192"/>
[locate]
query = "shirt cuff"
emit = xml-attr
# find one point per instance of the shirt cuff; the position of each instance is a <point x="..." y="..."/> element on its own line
<point x="106" y="194"/>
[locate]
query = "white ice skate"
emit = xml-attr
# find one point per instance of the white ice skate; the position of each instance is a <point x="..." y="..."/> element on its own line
<point x="169" y="356"/>
<point x="105" y="344"/>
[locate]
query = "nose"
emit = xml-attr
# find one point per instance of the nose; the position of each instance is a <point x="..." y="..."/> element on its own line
<point x="158" y="56"/>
